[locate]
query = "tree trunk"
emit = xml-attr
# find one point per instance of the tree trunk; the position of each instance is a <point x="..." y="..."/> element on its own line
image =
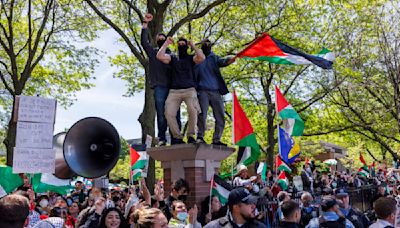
<point x="9" y="141"/>
<point x="146" y="120"/>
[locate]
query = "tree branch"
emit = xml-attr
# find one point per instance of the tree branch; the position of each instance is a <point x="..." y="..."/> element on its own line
<point x="6" y="84"/>
<point x="119" y="31"/>
<point x="191" y="17"/>
<point x="330" y="131"/>
<point x="137" y="11"/>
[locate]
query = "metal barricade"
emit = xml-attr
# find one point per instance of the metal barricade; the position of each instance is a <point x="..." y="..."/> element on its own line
<point x="361" y="198"/>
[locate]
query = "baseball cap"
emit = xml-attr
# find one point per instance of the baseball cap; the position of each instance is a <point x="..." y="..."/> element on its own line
<point x="327" y="203"/>
<point x="241" y="195"/>
<point x="241" y="167"/>
<point x="341" y="192"/>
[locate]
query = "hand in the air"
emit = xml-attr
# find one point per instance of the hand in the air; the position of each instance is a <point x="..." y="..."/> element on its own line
<point x="148" y="17"/>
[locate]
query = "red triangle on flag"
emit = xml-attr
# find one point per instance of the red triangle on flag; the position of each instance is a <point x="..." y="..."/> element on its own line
<point x="134" y="155"/>
<point x="362" y="159"/>
<point x="241" y="124"/>
<point x="262" y="46"/>
<point x="282" y="176"/>
<point x="280" y="100"/>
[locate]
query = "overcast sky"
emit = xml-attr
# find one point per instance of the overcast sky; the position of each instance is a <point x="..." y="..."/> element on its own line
<point x="105" y="99"/>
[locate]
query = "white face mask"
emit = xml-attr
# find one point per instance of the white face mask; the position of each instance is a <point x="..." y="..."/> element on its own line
<point x="44" y="203"/>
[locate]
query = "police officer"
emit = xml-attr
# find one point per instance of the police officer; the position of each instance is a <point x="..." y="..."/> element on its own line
<point x="242" y="211"/>
<point x="331" y="216"/>
<point x="355" y="216"/>
<point x="308" y="211"/>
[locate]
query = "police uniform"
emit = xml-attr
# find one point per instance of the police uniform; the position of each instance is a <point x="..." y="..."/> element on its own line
<point x="358" y="219"/>
<point x="227" y="222"/>
<point x="237" y="196"/>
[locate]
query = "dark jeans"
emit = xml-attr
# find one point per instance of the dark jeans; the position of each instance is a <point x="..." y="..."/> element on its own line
<point x="213" y="99"/>
<point x="160" y="95"/>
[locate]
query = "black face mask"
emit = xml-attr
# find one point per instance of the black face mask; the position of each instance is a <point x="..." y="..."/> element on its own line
<point x="115" y="198"/>
<point x="182" y="51"/>
<point x="160" y="43"/>
<point x="206" y="49"/>
<point x="182" y="198"/>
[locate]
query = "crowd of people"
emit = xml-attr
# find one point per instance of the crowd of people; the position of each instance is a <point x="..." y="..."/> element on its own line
<point x="252" y="202"/>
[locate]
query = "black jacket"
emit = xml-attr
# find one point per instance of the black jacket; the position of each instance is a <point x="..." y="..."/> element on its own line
<point x="216" y="64"/>
<point x="288" y="225"/>
<point x="160" y="73"/>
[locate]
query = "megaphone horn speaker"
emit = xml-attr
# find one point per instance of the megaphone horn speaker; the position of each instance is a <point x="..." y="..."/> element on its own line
<point x="91" y="147"/>
<point x="62" y="169"/>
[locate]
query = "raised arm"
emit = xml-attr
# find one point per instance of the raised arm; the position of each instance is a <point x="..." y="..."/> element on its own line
<point x="144" y="37"/>
<point x="198" y="54"/>
<point x="161" y="55"/>
<point x="223" y="62"/>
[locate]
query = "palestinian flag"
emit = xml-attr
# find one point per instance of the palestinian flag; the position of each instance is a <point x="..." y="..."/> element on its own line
<point x="139" y="168"/>
<point x="281" y="165"/>
<point x="362" y="160"/>
<point x="44" y="182"/>
<point x="267" y="48"/>
<point x="134" y="155"/>
<point x="282" y="181"/>
<point x="262" y="170"/>
<point x="364" y="171"/>
<point x="372" y="168"/>
<point x="8" y="180"/>
<point x="243" y="134"/>
<point x="292" y="123"/>
<point x="220" y="188"/>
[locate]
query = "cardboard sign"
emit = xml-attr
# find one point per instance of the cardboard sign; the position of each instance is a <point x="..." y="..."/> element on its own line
<point x="34" y="135"/>
<point x="30" y="160"/>
<point x="36" y="109"/>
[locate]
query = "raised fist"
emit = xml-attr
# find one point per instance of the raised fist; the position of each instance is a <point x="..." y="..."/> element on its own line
<point x="169" y="41"/>
<point x="148" y="17"/>
<point x="191" y="44"/>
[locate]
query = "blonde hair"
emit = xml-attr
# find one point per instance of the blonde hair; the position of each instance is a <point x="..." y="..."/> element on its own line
<point x="145" y="217"/>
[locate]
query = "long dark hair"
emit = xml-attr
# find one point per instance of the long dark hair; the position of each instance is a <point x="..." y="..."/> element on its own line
<point x="123" y="223"/>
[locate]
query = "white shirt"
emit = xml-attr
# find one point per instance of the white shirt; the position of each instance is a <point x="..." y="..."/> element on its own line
<point x="380" y="223"/>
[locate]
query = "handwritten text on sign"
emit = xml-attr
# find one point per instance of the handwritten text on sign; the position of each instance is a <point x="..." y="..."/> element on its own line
<point x="34" y="135"/>
<point x="28" y="160"/>
<point x="36" y="109"/>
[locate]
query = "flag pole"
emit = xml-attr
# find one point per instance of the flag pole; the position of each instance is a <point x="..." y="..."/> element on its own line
<point x="277" y="126"/>
<point x="233" y="126"/>
<point x="209" y="203"/>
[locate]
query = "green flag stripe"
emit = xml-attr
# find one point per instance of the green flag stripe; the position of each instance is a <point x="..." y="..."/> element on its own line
<point x="250" y="141"/>
<point x="276" y="60"/>
<point x="140" y="164"/>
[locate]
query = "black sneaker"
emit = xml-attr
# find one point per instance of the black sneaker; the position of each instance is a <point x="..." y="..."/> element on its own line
<point x="191" y="140"/>
<point x="200" y="140"/>
<point x="177" y="141"/>
<point x="219" y="143"/>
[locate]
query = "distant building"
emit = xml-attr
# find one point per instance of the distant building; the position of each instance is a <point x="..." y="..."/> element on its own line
<point x="331" y="151"/>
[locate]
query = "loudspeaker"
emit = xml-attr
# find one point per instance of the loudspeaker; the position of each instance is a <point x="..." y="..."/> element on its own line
<point x="90" y="149"/>
<point x="62" y="169"/>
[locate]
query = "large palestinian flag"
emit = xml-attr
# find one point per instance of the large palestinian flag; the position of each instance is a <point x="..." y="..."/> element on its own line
<point x="269" y="49"/>
<point x="44" y="182"/>
<point x="292" y="123"/>
<point x="243" y="134"/>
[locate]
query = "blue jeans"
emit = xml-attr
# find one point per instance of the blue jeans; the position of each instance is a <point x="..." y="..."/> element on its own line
<point x="160" y="95"/>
